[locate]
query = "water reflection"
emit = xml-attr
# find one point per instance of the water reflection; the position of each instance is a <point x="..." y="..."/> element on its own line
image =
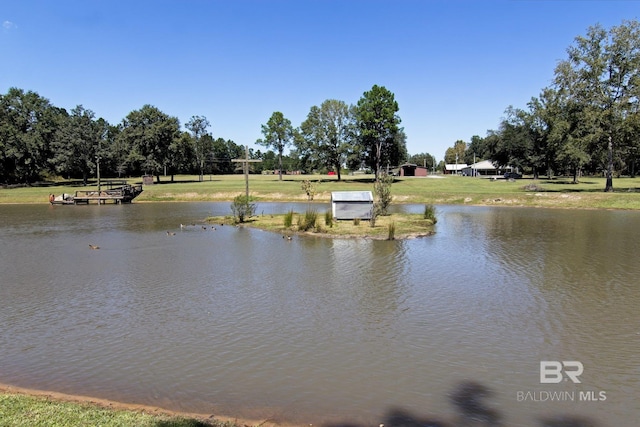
<point x="318" y="330"/>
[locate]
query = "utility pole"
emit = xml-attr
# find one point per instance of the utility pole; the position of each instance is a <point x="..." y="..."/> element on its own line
<point x="245" y="165"/>
<point x="98" y="169"/>
<point x="473" y="170"/>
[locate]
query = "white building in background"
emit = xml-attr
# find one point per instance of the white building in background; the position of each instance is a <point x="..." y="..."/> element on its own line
<point x="485" y="168"/>
<point x="454" y="169"/>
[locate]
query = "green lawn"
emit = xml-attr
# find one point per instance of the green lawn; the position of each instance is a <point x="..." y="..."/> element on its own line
<point x="560" y="193"/>
<point x="18" y="410"/>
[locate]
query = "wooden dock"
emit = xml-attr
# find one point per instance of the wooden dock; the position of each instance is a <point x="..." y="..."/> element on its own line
<point x="117" y="192"/>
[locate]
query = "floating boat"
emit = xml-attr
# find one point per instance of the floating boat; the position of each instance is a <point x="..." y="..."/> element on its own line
<point x="62" y="199"/>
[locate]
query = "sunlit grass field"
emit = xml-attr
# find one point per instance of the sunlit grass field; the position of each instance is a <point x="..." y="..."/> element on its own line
<point x="558" y="192"/>
<point x="19" y="410"/>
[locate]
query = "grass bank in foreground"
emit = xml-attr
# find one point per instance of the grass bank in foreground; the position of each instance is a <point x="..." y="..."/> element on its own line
<point x="447" y="190"/>
<point x="19" y="409"/>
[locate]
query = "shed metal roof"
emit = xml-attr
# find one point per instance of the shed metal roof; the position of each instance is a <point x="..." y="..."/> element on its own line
<point x="453" y="166"/>
<point x="351" y="196"/>
<point x="484" y="165"/>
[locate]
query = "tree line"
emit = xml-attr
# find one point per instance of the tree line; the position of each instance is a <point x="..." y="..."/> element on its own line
<point x="335" y="134"/>
<point x="586" y="122"/>
<point x="39" y="141"/>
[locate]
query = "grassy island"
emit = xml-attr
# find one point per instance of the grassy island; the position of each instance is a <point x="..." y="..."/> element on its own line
<point x="387" y="227"/>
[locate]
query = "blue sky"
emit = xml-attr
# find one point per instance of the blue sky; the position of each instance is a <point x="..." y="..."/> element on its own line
<point x="454" y="66"/>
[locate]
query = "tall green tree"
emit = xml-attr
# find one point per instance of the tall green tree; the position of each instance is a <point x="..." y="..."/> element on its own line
<point x="278" y="134"/>
<point x="223" y="153"/>
<point x="269" y="160"/>
<point x="115" y="152"/>
<point x="602" y="73"/>
<point x="456" y="153"/>
<point x="28" y="126"/>
<point x="632" y="145"/>
<point x="524" y="138"/>
<point x="328" y="134"/>
<point x="424" y="160"/>
<point x="76" y="148"/>
<point x="378" y="128"/>
<point x="202" y="145"/>
<point x="570" y="135"/>
<point x="150" y="132"/>
<point x="544" y="118"/>
<point x="476" y="150"/>
<point x="397" y="153"/>
<point x="181" y="155"/>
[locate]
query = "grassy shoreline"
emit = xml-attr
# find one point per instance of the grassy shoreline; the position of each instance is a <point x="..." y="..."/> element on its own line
<point x="35" y="408"/>
<point x="448" y="190"/>
<point x="40" y="408"/>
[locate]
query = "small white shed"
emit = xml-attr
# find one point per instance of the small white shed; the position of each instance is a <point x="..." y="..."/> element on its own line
<point x="351" y="204"/>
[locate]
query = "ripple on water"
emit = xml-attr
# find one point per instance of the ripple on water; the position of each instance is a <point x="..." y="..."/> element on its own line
<point x="241" y="321"/>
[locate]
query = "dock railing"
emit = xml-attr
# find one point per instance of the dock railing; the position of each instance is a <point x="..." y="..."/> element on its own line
<point x="125" y="193"/>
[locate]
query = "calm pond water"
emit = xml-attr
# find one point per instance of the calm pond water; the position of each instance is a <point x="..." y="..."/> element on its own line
<point x="244" y="323"/>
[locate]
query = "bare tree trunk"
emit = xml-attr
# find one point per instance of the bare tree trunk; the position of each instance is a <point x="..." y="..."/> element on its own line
<point x="609" y="186"/>
<point x="378" y="155"/>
